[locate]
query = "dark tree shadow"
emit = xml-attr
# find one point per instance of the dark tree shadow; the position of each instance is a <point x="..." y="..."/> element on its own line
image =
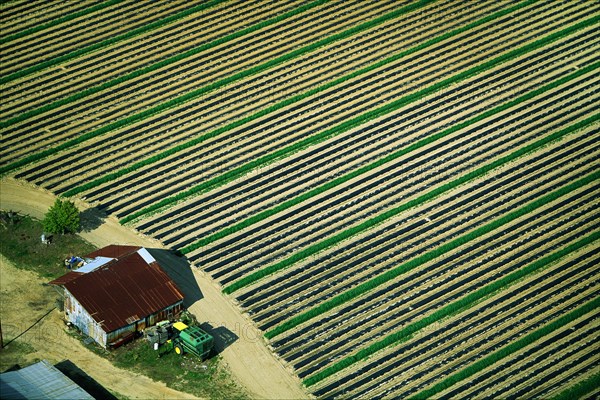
<point x="223" y="337"/>
<point x="86" y="382"/>
<point x="180" y="270"/>
<point x="91" y="219"/>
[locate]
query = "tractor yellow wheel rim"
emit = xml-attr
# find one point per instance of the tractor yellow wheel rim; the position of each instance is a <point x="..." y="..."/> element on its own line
<point x="177" y="350"/>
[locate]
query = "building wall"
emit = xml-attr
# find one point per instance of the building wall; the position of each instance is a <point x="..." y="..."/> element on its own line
<point x="79" y="317"/>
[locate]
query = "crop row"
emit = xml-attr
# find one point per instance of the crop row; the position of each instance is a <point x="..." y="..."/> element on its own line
<point x="318" y="159"/>
<point x="57" y="21"/>
<point x="451" y="309"/>
<point x="461" y="348"/>
<point x="217" y="84"/>
<point x="581" y="389"/>
<point x="86" y="160"/>
<point x="335" y="339"/>
<point x="120" y="68"/>
<point x="442" y="273"/>
<point x="164" y="156"/>
<point x="524" y="296"/>
<point x="106" y="43"/>
<point x="389" y="158"/>
<point x="103" y="24"/>
<point x="300" y="130"/>
<point x="382" y="217"/>
<point x="346" y="125"/>
<point x="179" y="161"/>
<point x="359" y="202"/>
<point x="538" y="364"/>
<point x="18" y="16"/>
<point x="396" y="257"/>
<point x="383" y="308"/>
<point x="61" y="123"/>
<point x="589" y="307"/>
<point x="385" y="250"/>
<point x="106" y="64"/>
<point x="93" y="135"/>
<point x="363" y="309"/>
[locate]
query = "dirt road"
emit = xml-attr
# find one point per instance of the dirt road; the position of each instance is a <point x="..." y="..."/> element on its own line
<point x="239" y="342"/>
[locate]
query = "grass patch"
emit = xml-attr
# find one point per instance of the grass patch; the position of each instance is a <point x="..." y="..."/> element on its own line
<point x="14" y="355"/>
<point x="187" y="373"/>
<point x="21" y="244"/>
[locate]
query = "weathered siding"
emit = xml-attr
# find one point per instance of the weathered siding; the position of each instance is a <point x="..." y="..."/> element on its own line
<point x="79" y="317"/>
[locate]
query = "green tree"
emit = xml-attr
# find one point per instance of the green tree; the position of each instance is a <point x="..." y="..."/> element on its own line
<point x="62" y="217"/>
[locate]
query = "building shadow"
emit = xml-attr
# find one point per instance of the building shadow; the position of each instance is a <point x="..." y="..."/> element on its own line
<point x="86" y="382"/>
<point x="223" y="337"/>
<point x="91" y="219"/>
<point x="180" y="271"/>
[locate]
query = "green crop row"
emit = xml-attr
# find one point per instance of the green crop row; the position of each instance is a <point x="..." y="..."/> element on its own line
<point x="393" y="156"/>
<point x="188" y="96"/>
<point x="58" y="21"/>
<point x="108" y="42"/>
<point x="508" y="350"/>
<point x="285" y="103"/>
<point x="580" y="389"/>
<point x="454" y="308"/>
<point x="351" y="123"/>
<point x="309" y="251"/>
<point x="416" y="262"/>
<point x="194" y="94"/>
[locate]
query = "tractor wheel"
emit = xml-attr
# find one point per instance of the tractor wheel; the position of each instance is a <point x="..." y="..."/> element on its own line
<point x="178" y="350"/>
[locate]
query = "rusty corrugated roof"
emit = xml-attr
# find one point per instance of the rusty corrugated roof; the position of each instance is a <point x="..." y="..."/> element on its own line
<point x="113" y="251"/>
<point x="69" y="276"/>
<point x="125" y="289"/>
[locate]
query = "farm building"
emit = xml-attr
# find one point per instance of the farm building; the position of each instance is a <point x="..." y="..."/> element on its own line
<point x="117" y="292"/>
<point x="39" y="381"/>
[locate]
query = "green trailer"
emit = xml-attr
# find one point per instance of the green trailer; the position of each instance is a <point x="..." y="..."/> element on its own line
<point x="192" y="339"/>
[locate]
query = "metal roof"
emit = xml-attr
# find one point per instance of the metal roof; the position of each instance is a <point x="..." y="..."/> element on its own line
<point x="93" y="264"/>
<point x="123" y="290"/>
<point x="114" y="251"/>
<point x="39" y="381"/>
<point x="69" y="276"/>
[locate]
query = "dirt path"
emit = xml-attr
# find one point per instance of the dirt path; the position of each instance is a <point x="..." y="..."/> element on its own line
<point x="239" y="342"/>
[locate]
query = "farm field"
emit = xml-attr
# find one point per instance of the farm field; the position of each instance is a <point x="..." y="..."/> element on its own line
<point x="401" y="195"/>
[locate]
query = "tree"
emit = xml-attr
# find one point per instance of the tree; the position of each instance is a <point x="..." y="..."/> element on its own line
<point x="62" y="217"/>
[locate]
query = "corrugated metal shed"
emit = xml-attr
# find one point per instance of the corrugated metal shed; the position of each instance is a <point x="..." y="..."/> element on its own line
<point x="124" y="290"/>
<point x="39" y="381"/>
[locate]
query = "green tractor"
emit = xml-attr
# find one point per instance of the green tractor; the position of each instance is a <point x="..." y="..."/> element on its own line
<point x="191" y="339"/>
